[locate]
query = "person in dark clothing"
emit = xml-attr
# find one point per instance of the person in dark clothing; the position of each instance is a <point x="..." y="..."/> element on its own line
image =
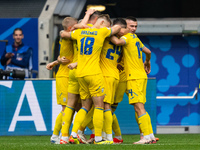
<point x="18" y="55"/>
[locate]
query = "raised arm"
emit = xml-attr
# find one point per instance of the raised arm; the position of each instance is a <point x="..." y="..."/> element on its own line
<point x="88" y="13"/>
<point x="83" y="23"/>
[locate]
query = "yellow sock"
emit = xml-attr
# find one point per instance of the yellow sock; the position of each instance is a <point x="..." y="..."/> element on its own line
<point x="143" y="123"/>
<point x="136" y="118"/>
<point x="108" y="121"/>
<point x="67" y="119"/>
<point x="98" y="120"/>
<point x="150" y="125"/>
<point x="88" y="119"/>
<point x="58" y="124"/>
<point x="80" y="116"/>
<point x="115" y="126"/>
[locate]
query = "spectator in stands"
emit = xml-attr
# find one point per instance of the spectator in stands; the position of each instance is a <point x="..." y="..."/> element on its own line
<point x="17" y="56"/>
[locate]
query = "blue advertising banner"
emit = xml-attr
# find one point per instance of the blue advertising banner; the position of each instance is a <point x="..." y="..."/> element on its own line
<point x="175" y="63"/>
<point x="30" y="108"/>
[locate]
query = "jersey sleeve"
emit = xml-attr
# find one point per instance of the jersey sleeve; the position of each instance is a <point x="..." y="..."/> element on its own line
<point x="74" y="34"/>
<point x="124" y="38"/>
<point x="106" y="31"/>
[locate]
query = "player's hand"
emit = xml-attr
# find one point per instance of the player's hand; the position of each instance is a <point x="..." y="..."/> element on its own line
<point x="50" y="66"/>
<point x="9" y="55"/>
<point x="8" y="61"/>
<point x="120" y="67"/>
<point x="72" y="65"/>
<point x="61" y="33"/>
<point x="147" y="67"/>
<point x="90" y="11"/>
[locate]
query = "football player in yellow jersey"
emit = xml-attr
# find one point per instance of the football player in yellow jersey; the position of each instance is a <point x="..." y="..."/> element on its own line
<point x="132" y="25"/>
<point x="108" y="62"/>
<point x="62" y="76"/>
<point x="90" y="42"/>
<point x="73" y="87"/>
<point x="88" y="118"/>
<point x="136" y="74"/>
<point x="73" y="90"/>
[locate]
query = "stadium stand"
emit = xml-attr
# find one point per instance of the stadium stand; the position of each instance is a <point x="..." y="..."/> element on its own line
<point x="21" y="8"/>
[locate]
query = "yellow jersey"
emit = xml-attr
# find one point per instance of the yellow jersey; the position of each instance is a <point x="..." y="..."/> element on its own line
<point x="66" y="49"/>
<point x="90" y="42"/>
<point x="75" y="59"/>
<point x="132" y="52"/>
<point x="109" y="58"/>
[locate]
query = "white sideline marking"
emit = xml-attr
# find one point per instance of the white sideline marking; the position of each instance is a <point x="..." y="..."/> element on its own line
<point x="178" y="97"/>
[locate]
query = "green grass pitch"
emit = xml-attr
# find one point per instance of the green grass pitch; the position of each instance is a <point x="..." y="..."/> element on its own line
<point x="166" y="142"/>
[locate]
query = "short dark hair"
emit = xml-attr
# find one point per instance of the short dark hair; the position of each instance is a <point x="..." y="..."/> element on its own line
<point x="131" y="18"/>
<point x="95" y="14"/>
<point x="120" y="21"/>
<point x="17" y="29"/>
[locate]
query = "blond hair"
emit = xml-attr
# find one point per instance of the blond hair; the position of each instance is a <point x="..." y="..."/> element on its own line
<point x="68" y="21"/>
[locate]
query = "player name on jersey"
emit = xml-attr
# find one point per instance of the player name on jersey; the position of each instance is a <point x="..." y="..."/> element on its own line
<point x="89" y="32"/>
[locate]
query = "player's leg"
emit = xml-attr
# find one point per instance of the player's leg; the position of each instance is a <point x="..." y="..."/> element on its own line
<point x="87" y="122"/>
<point x="62" y="96"/>
<point x="119" y="94"/>
<point x="80" y="116"/>
<point x="86" y="105"/>
<point x="110" y="86"/>
<point x="137" y="98"/>
<point x="136" y="118"/>
<point x="152" y="137"/>
<point x="151" y="134"/>
<point x="68" y="116"/>
<point x="108" y="122"/>
<point x="116" y="129"/>
<point x="58" y="124"/>
<point x="98" y="117"/>
<point x="143" y="119"/>
<point x="97" y="91"/>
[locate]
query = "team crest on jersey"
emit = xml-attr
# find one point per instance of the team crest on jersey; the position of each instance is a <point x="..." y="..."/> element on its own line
<point x="64" y="99"/>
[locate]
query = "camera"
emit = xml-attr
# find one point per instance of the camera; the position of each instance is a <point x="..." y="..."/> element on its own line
<point x="14" y="74"/>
